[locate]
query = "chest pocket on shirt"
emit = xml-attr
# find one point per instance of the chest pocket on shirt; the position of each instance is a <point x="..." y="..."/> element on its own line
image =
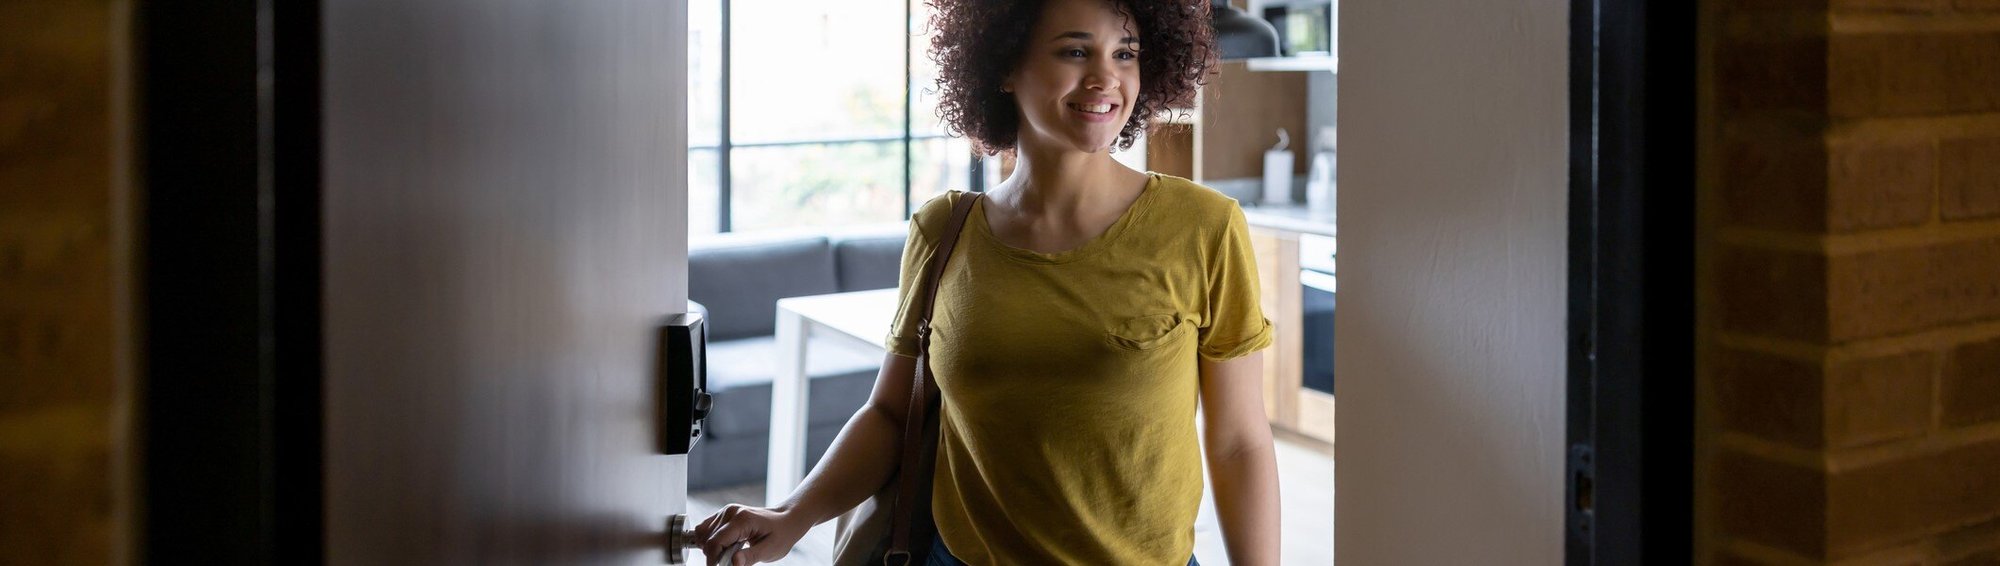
<point x="1146" y="332"/>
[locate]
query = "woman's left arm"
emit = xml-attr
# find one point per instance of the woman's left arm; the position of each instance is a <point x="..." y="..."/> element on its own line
<point x="1242" y="465"/>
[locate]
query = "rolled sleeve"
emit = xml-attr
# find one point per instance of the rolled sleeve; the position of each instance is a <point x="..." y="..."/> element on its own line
<point x="1236" y="325"/>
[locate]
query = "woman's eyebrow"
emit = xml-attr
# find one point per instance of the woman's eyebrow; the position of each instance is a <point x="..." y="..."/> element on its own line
<point x="1086" y="36"/>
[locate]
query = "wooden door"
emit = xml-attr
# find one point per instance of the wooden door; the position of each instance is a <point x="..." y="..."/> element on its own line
<point x="505" y="226"/>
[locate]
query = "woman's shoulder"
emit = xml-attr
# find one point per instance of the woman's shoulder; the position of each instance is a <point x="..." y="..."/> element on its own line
<point x="932" y="216"/>
<point x="1192" y="203"/>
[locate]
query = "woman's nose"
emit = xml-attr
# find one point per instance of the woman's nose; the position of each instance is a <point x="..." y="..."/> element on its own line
<point x="1101" y="77"/>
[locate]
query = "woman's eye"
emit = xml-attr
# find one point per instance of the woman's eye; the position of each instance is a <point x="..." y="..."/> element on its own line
<point x="1127" y="55"/>
<point x="1073" y="53"/>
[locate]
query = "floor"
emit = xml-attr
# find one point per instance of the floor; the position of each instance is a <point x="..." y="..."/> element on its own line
<point x="1305" y="482"/>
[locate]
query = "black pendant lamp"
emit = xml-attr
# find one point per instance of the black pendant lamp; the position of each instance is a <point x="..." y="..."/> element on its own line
<point x="1241" y="36"/>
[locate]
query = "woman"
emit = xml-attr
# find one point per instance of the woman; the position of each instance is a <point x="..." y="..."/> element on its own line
<point x="1085" y="311"/>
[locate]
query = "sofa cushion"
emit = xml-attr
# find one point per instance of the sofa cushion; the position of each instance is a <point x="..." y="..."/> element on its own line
<point x="741" y="280"/>
<point x="729" y="462"/>
<point x="739" y="377"/>
<point x="866" y="261"/>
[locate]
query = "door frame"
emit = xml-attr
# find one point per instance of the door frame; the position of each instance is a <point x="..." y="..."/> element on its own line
<point x="231" y="408"/>
<point x="1630" y="449"/>
<point x="230" y="412"/>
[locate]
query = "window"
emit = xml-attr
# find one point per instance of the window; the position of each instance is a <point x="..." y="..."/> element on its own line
<point x="812" y="113"/>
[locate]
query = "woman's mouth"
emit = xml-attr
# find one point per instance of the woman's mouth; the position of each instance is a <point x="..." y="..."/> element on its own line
<point x="1093" y="112"/>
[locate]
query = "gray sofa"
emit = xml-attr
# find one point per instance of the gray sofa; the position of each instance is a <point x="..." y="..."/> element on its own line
<point x="736" y="280"/>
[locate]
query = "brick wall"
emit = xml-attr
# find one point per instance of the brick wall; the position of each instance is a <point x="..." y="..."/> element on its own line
<point x="1850" y="282"/>
<point x="64" y="393"/>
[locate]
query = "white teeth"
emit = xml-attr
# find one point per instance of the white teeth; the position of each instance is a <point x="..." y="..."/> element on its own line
<point x="1092" y="108"/>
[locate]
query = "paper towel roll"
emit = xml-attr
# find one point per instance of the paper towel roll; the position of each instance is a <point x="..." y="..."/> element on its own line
<point x="1278" y="177"/>
<point x="1278" y="171"/>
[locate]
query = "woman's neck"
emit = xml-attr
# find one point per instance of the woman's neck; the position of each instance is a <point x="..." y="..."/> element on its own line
<point x="1065" y="184"/>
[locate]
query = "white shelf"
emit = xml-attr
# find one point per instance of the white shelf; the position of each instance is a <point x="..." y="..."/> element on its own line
<point x="1326" y="63"/>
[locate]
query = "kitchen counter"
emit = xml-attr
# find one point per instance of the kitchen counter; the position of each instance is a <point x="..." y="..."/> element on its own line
<point x="1290" y="218"/>
<point x="1292" y="243"/>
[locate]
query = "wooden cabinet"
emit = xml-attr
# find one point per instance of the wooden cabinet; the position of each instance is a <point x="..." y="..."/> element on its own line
<point x="1220" y="142"/>
<point x="1288" y="404"/>
<point x="1280" y="297"/>
<point x="1315" y="413"/>
<point x="1237" y="115"/>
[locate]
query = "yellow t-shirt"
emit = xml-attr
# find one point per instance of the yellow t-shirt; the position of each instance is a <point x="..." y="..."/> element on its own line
<point x="1069" y="380"/>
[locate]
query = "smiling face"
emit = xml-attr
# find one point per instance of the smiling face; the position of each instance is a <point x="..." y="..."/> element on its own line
<point x="1078" y="77"/>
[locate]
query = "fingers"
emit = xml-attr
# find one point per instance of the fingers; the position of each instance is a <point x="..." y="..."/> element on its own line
<point x="728" y="556"/>
<point x="706" y="534"/>
<point x="759" y="552"/>
<point x="734" y="555"/>
<point x="740" y="536"/>
<point x="708" y="526"/>
<point x="725" y="536"/>
<point x="736" y="525"/>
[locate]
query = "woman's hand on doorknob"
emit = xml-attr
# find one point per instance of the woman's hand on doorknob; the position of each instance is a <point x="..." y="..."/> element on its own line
<point x="770" y="533"/>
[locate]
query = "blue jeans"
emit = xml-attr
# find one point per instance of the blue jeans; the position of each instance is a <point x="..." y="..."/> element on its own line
<point x="941" y="556"/>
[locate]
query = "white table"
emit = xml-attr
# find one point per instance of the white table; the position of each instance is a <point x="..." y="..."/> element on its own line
<point x="860" y="316"/>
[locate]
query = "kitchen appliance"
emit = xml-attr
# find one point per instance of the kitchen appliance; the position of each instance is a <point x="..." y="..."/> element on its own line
<point x="1317" y="283"/>
<point x="1240" y="35"/>
<point x="1304" y="27"/>
<point x="1319" y="179"/>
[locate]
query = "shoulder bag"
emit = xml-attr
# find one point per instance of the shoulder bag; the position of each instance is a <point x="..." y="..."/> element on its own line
<point x="894" y="527"/>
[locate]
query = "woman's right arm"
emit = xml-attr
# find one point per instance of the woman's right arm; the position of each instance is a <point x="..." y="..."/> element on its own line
<point x="861" y="459"/>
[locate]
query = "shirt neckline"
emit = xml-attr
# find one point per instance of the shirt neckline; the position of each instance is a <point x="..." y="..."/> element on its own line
<point x="1089" y="248"/>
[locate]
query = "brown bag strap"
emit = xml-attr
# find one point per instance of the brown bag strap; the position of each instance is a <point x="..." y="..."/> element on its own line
<point x="920" y="388"/>
<point x="946" y="243"/>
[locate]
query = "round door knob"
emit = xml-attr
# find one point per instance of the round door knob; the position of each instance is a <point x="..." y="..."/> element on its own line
<point x="680" y="539"/>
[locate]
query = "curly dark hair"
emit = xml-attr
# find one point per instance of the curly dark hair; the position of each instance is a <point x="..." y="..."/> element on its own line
<point x="978" y="43"/>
